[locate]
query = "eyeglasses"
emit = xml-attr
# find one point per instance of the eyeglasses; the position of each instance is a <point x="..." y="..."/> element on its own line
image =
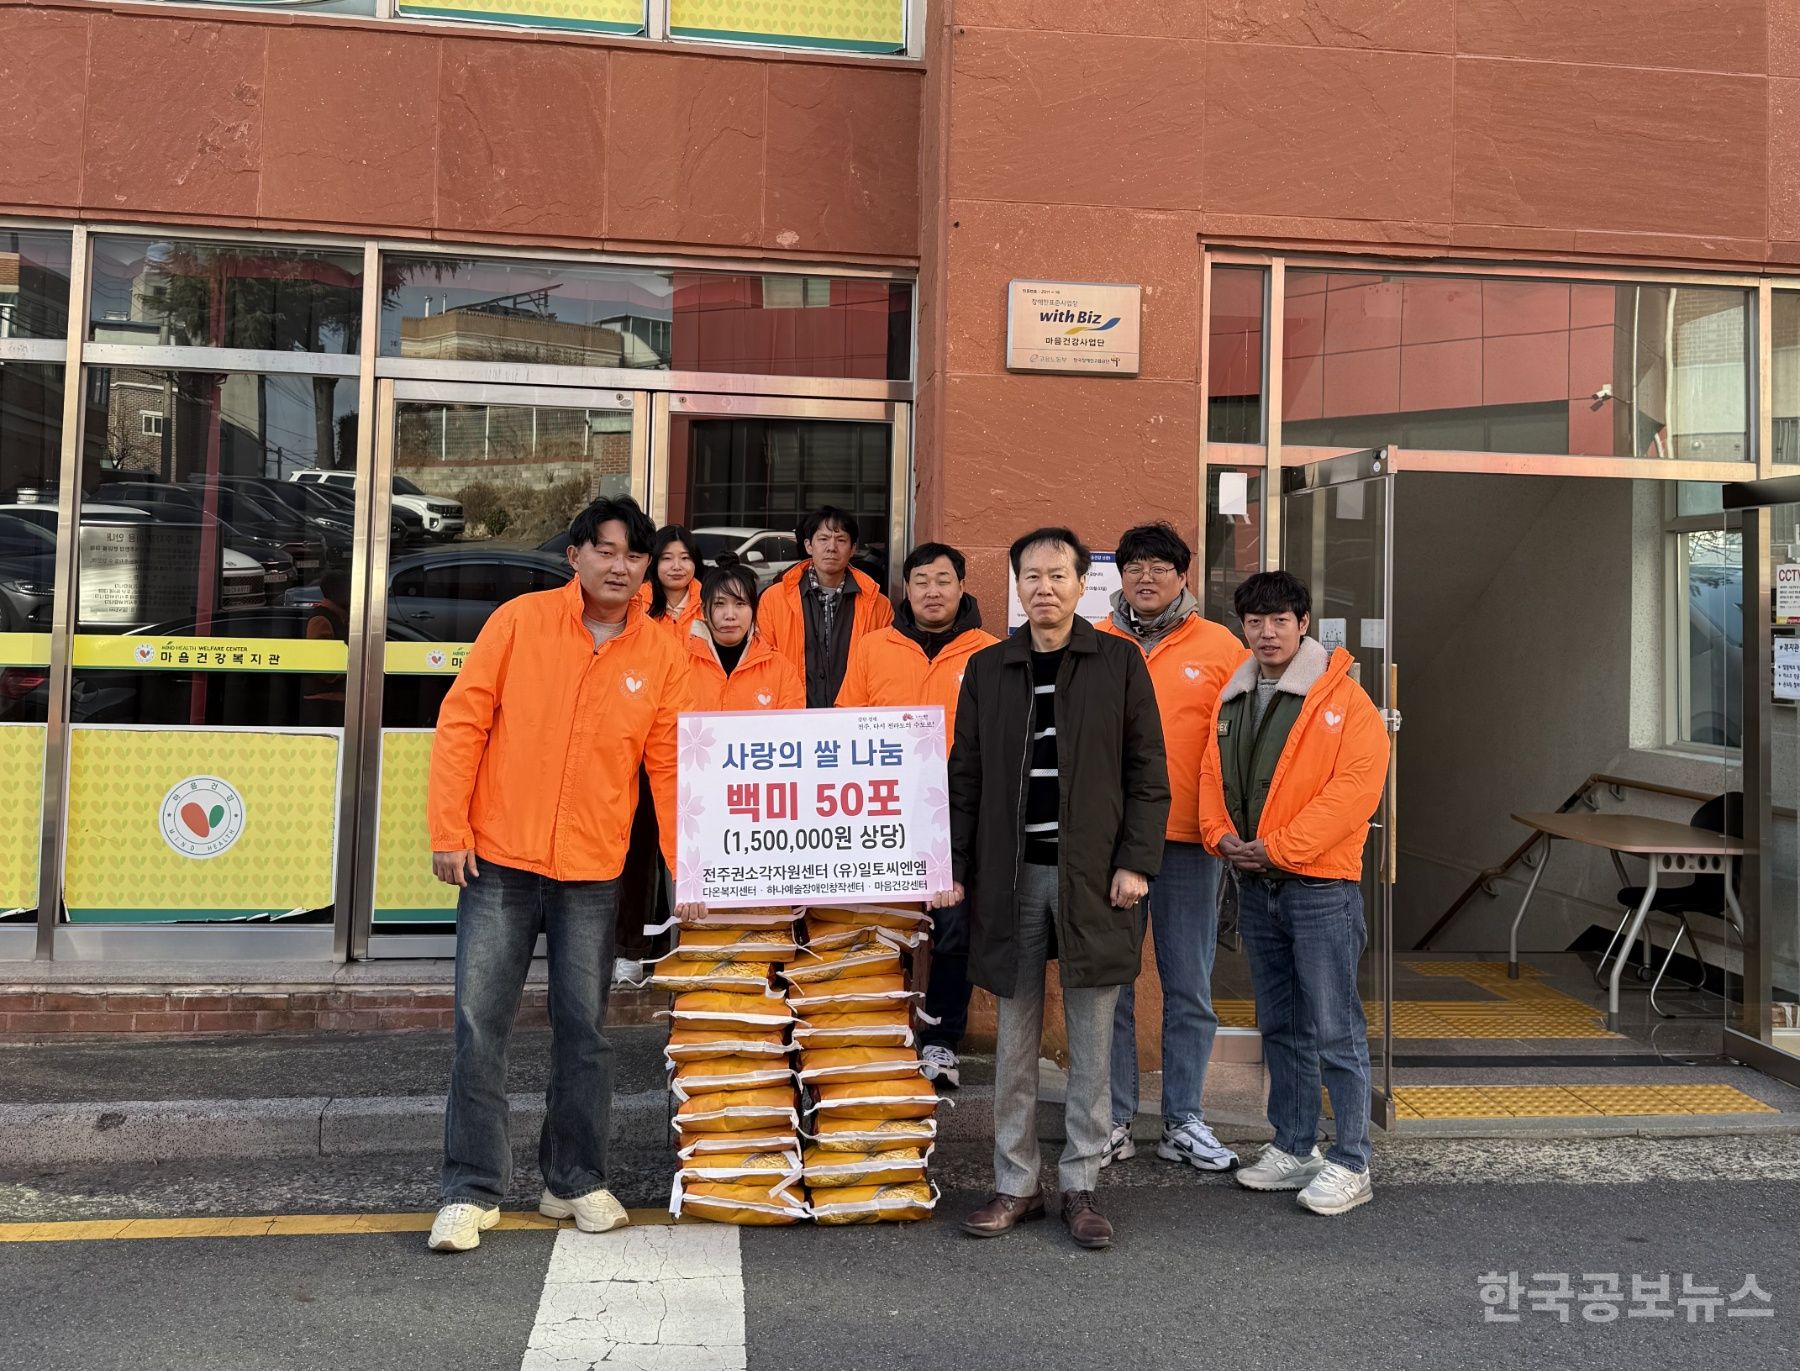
<point x="1150" y="569"/>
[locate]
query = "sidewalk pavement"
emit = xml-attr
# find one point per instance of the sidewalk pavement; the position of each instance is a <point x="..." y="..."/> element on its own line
<point x="335" y="1094"/>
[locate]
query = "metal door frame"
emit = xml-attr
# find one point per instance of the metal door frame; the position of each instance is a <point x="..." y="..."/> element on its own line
<point x="369" y="632"/>
<point x="1375" y="466"/>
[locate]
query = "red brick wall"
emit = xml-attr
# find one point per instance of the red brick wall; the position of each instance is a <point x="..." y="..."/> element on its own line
<point x="305" y="122"/>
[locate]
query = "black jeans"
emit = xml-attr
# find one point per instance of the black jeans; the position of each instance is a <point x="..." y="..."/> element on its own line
<point x="947" y="989"/>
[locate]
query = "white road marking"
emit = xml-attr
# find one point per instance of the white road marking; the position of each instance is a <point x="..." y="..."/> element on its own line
<point x="662" y="1298"/>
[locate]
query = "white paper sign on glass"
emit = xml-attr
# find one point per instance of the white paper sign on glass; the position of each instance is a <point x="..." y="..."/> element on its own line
<point x="1787" y="668"/>
<point x="1787" y="593"/>
<point x="803" y="806"/>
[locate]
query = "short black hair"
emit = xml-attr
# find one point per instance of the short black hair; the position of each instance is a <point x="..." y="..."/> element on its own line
<point x="827" y="514"/>
<point x="732" y="575"/>
<point x="666" y="537"/>
<point x="1272" y="592"/>
<point x="927" y="553"/>
<point x="1157" y="542"/>
<point x="639" y="530"/>
<point x="1051" y="535"/>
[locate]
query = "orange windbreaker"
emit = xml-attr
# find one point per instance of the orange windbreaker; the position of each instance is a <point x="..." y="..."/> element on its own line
<point x="535" y="762"/>
<point x="764" y="679"/>
<point x="889" y="669"/>
<point x="678" y="624"/>
<point x="1188" y="668"/>
<point x="780" y="618"/>
<point x="1327" y="783"/>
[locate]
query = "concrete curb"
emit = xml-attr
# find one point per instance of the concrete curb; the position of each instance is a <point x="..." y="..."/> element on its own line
<point x="152" y="1131"/>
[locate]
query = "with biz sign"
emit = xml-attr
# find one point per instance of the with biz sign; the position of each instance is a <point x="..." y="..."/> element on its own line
<point x="1072" y="326"/>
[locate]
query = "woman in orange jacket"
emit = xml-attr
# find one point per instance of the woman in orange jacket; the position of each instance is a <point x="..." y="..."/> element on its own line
<point x="671" y="589"/>
<point x="730" y="665"/>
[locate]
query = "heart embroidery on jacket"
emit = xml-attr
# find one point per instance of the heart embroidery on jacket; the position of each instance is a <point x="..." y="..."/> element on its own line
<point x="1192" y="672"/>
<point x="1333" y="718"/>
<point x="763" y="699"/>
<point x="634" y="684"/>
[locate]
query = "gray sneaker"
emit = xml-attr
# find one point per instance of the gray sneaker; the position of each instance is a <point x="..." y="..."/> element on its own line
<point x="1191" y="1141"/>
<point x="1337" y="1190"/>
<point x="1278" y="1170"/>
<point x="1119" y="1146"/>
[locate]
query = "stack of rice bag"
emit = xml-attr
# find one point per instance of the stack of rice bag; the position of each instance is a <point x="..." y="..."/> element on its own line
<point x="737" y="1119"/>
<point x="873" y="1114"/>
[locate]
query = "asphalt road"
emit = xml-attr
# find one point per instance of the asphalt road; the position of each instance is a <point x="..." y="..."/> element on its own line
<point x="1203" y="1274"/>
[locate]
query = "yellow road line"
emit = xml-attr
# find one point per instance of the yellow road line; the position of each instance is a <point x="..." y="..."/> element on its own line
<point x="274" y="1226"/>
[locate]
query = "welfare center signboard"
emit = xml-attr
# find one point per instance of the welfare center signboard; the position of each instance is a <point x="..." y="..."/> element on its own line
<point x="807" y="806"/>
<point x="1073" y="326"/>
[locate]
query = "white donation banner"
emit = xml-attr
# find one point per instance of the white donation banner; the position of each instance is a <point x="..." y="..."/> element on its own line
<point x="804" y="806"/>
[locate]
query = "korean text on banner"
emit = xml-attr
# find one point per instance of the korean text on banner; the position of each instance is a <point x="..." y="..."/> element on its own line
<point x="806" y="805"/>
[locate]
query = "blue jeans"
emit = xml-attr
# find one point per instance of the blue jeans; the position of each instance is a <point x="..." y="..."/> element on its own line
<point x="1184" y="923"/>
<point x="1304" y="939"/>
<point x="498" y="919"/>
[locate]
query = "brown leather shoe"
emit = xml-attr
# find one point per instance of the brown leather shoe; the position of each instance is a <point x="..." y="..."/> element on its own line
<point x="1086" y="1224"/>
<point x="1002" y="1214"/>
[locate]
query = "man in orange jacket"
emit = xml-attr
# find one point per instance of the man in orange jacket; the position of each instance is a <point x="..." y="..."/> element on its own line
<point x="534" y="783"/>
<point x="1295" y="769"/>
<point x="1189" y="658"/>
<point x="814" y="614"/>
<point x="920" y="660"/>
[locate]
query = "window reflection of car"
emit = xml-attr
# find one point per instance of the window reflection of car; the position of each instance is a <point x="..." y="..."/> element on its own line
<point x="243" y="580"/>
<point x="442" y="518"/>
<point x="305" y="556"/>
<point x="767" y="552"/>
<point x="446" y="595"/>
<point x="27" y="576"/>
<point x="1715" y="655"/>
<point x="326" y="504"/>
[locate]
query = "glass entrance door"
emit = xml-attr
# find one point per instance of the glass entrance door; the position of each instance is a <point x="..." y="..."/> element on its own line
<point x="480" y="483"/>
<point x="1336" y="519"/>
<point x="741" y="471"/>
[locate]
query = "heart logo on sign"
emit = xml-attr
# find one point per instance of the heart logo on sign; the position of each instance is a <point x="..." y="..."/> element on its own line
<point x="764" y="698"/>
<point x="634" y="683"/>
<point x="144" y="652"/>
<point x="434" y="659"/>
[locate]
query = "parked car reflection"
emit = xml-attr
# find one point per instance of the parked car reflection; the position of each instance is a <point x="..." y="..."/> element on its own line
<point x="446" y="595"/>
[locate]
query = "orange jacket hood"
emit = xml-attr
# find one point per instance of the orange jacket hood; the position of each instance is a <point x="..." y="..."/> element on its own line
<point x="1329" y="778"/>
<point x="535" y="761"/>
<point x="764" y="679"/>
<point x="888" y="669"/>
<point x="1188" y="667"/>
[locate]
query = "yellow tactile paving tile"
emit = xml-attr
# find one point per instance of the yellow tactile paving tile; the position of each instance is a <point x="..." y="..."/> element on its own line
<point x="1469" y="971"/>
<point x="274" y="1225"/>
<point x="1574" y="1101"/>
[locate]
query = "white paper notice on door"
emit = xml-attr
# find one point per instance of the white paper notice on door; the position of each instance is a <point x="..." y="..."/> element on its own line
<point x="1374" y="633"/>
<point x="1787" y="668"/>
<point x="1333" y="633"/>
<point x="1234" y="493"/>
<point x="1787" y="593"/>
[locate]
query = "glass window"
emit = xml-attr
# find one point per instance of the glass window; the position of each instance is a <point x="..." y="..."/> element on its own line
<point x="1709" y="637"/>
<point x="591" y="16"/>
<point x="179" y="293"/>
<point x="1234" y="532"/>
<point x="34" y="284"/>
<point x="1483" y="365"/>
<point x="560" y="314"/>
<point x="1234" y="368"/>
<point x="31" y="398"/>
<point x="742" y="485"/>
<point x="1785" y="376"/>
<point x="868" y="27"/>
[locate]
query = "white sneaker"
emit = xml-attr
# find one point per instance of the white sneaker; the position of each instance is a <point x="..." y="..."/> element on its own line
<point x="458" y="1227"/>
<point x="1278" y="1170"/>
<point x="1337" y="1190"/>
<point x="1191" y="1141"/>
<point x="626" y="973"/>
<point x="1119" y="1146"/>
<point x="938" y="1063"/>
<point x="595" y="1212"/>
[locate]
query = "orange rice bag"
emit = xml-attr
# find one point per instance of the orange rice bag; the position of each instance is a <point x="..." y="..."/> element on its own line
<point x="722" y="1202"/>
<point x="825" y="1169"/>
<point x="721" y="1008"/>
<point x="820" y="1067"/>
<point x="859" y="995"/>
<point x="895" y="1203"/>
<point x="877" y="1100"/>
<point x="729" y="1073"/>
<point x="738" y="1111"/>
<point x="876" y="1028"/>
<point x="870" y="1135"/>
<point x="736" y="944"/>
<point x="698" y="1044"/>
